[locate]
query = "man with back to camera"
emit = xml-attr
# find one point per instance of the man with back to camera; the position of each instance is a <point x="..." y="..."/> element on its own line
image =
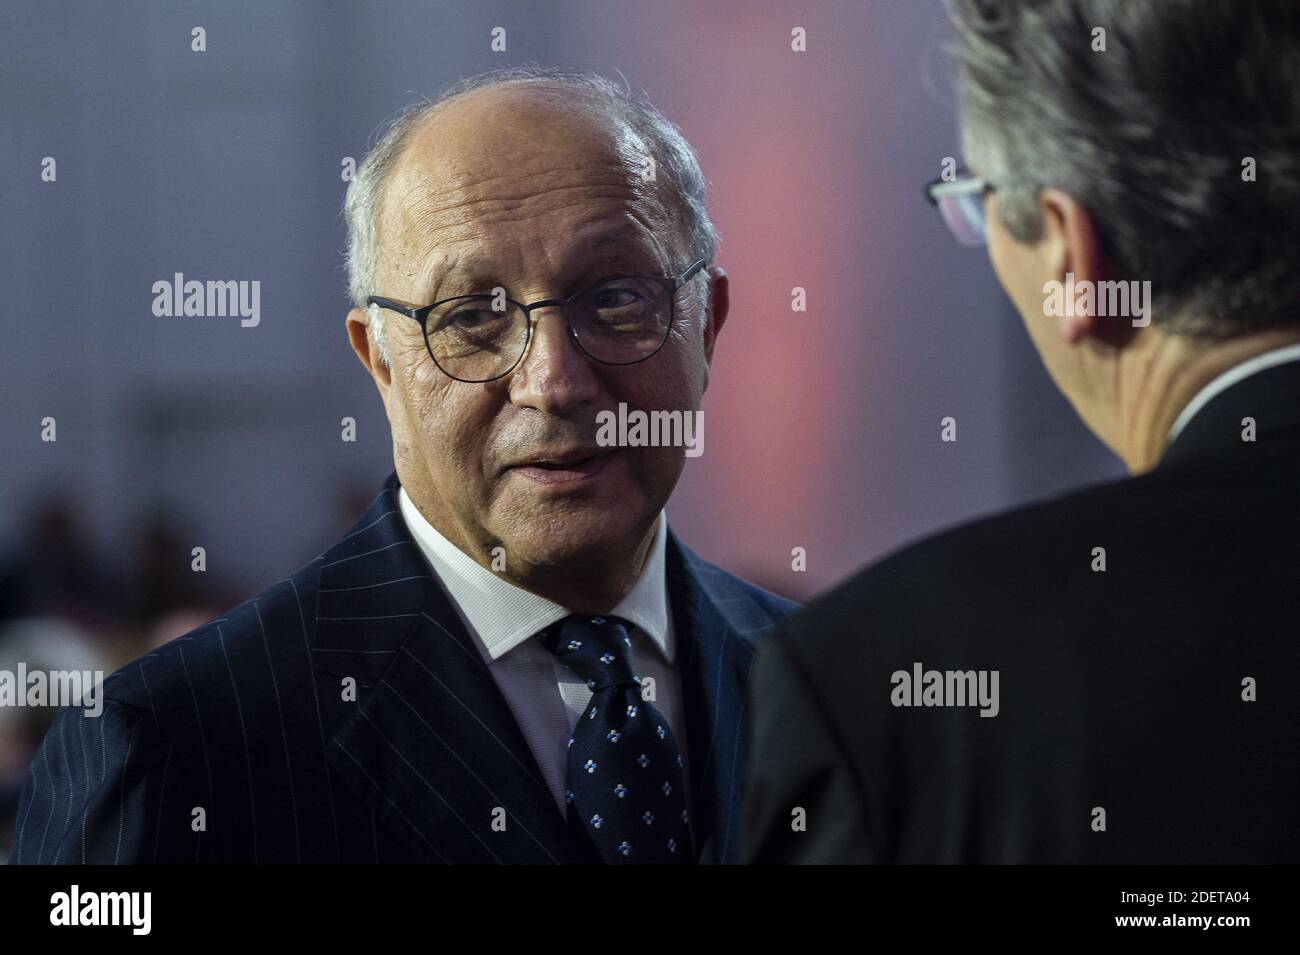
<point x="510" y="658"/>
<point x="1112" y="675"/>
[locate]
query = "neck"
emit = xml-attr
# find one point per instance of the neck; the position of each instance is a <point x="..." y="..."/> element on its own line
<point x="1157" y="382"/>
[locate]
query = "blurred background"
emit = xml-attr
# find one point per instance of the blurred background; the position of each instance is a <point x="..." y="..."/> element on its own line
<point x="823" y="427"/>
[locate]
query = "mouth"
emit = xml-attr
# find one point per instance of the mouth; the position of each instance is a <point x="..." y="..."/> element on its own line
<point x="570" y="468"/>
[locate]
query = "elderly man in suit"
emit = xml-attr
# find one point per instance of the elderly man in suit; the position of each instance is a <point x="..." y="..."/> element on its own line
<point x="510" y="657"/>
<point x="1110" y="676"/>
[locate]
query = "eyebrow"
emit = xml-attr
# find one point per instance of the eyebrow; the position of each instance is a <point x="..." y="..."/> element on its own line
<point x="610" y="253"/>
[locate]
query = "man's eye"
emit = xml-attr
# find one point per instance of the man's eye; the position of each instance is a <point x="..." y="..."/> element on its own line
<point x="616" y="298"/>
<point x="473" y="318"/>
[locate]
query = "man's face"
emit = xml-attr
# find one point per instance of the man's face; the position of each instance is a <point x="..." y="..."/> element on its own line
<point x="512" y="188"/>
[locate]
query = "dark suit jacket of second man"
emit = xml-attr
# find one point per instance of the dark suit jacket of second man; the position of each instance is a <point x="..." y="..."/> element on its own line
<point x="1123" y="690"/>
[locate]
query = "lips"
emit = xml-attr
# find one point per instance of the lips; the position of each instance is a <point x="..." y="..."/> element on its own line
<point x="560" y="460"/>
<point x="563" y="467"/>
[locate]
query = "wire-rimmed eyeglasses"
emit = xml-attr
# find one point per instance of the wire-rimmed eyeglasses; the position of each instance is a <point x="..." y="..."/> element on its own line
<point x="620" y="320"/>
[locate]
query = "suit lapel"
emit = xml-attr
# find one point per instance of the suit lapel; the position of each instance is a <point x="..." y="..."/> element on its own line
<point x="432" y="747"/>
<point x="715" y="659"/>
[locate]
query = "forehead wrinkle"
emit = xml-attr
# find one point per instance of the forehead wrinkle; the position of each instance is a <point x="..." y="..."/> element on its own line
<point x="431" y="213"/>
<point x="423" y="224"/>
<point x="452" y="260"/>
<point x="596" y="166"/>
<point x="438" y="194"/>
<point x="427" y="203"/>
<point x="438" y="264"/>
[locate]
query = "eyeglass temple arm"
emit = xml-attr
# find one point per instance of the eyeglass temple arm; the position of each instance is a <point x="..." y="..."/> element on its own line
<point x="974" y="185"/>
<point x="687" y="275"/>
<point x="418" y="314"/>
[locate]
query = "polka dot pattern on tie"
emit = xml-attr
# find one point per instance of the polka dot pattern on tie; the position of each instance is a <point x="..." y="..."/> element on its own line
<point x="624" y="766"/>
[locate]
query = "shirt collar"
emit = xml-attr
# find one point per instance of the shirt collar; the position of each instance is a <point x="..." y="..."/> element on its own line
<point x="505" y="615"/>
<point x="1268" y="359"/>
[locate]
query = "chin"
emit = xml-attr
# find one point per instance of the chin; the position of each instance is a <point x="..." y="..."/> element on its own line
<point x="574" y="535"/>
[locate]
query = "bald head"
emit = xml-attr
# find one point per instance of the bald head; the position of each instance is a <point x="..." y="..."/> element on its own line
<point x="522" y="129"/>
<point x="505" y="158"/>
<point x="440" y="162"/>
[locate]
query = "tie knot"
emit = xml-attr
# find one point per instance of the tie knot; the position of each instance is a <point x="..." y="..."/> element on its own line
<point x="598" y="649"/>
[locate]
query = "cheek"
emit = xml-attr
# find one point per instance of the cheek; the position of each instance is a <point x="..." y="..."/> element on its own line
<point x="674" y="378"/>
<point x="671" y="380"/>
<point x="998" y="253"/>
<point x="446" y="420"/>
<point x="1013" y="264"/>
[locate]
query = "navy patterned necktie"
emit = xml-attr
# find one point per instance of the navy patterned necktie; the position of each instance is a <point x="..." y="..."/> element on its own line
<point x="624" y="777"/>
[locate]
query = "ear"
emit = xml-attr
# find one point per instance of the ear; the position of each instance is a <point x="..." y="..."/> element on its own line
<point x="719" y="305"/>
<point x="1070" y="244"/>
<point x="358" y="325"/>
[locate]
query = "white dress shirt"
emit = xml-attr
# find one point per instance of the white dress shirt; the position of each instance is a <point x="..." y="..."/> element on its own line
<point x="1268" y="359"/>
<point x="546" y="697"/>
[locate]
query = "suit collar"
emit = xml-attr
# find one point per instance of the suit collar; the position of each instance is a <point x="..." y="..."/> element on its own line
<point x="432" y="746"/>
<point x="1212" y="423"/>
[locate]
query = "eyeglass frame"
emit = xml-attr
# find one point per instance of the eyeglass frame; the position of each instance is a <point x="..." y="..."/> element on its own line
<point x="421" y="314"/>
<point x="965" y="183"/>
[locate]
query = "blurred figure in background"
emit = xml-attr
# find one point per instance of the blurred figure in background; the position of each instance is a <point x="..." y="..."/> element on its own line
<point x="61" y="608"/>
<point x="52" y="569"/>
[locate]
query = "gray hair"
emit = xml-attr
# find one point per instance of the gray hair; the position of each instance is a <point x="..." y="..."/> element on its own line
<point x="675" y="163"/>
<point x="1151" y="137"/>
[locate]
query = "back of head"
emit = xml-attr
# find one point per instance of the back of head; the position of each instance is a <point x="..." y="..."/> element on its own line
<point x="1176" y="123"/>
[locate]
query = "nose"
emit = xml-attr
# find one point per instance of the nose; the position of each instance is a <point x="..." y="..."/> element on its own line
<point x="554" y="375"/>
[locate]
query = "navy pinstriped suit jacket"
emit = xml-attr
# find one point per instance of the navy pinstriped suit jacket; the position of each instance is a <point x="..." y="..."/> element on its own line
<point x="245" y="719"/>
